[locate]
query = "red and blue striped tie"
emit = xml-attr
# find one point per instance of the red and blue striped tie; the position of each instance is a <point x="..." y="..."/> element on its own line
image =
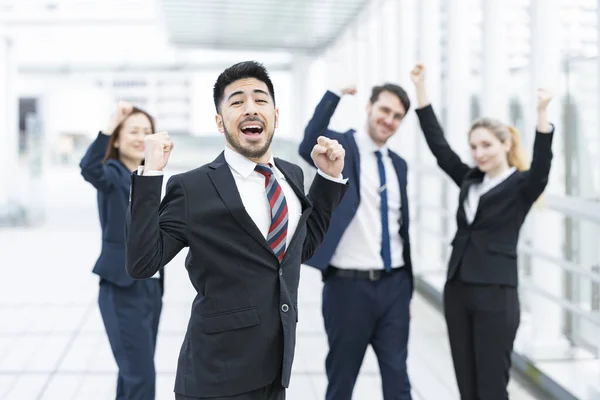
<point x="277" y="236"/>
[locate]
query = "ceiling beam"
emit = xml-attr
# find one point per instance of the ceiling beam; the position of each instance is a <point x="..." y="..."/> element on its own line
<point x="46" y="69"/>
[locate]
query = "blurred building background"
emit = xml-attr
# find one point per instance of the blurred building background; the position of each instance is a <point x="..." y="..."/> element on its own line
<point x="65" y="63"/>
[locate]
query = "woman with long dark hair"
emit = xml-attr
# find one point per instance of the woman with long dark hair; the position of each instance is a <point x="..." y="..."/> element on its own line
<point x="130" y="308"/>
<point x="481" y="303"/>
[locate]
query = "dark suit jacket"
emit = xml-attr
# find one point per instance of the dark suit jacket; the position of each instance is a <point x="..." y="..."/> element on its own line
<point x="485" y="251"/>
<point x="242" y="328"/>
<point x="112" y="180"/>
<point x="318" y="126"/>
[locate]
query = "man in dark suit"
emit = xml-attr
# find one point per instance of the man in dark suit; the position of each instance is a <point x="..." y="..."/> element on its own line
<point x="365" y="255"/>
<point x="249" y="226"/>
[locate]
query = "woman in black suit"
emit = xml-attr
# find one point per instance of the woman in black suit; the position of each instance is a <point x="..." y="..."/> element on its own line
<point x="481" y="303"/>
<point x="130" y="309"/>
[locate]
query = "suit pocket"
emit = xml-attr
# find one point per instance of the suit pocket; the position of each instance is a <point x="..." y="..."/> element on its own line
<point x="502" y="248"/>
<point x="231" y="320"/>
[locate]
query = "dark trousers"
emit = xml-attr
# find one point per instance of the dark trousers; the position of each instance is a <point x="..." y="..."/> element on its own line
<point x="358" y="312"/>
<point x="273" y="391"/>
<point x="482" y="324"/>
<point x="131" y="316"/>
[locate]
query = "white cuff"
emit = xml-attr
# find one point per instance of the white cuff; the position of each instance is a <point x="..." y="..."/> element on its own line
<point x="340" y="179"/>
<point x="148" y="173"/>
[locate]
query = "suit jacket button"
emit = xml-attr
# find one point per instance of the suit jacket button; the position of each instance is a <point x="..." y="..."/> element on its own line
<point x="280" y="271"/>
<point x="285" y="308"/>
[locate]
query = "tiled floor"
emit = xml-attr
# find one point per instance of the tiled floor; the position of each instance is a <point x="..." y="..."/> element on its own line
<point x="52" y="342"/>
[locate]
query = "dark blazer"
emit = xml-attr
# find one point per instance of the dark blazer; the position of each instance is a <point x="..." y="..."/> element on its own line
<point x="485" y="251"/>
<point x="242" y="327"/>
<point x="318" y="126"/>
<point x="112" y="180"/>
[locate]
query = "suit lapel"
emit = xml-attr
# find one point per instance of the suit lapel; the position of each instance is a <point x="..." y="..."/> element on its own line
<point x="304" y="201"/>
<point x="401" y="174"/>
<point x="353" y="150"/>
<point x="475" y="176"/>
<point x="484" y="197"/>
<point x="297" y="187"/>
<point x="224" y="183"/>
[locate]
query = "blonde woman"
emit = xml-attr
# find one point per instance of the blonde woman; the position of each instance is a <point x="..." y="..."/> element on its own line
<point x="481" y="303"/>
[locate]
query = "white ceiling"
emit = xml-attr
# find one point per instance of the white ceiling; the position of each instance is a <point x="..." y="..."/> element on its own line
<point x="292" y="25"/>
<point x="59" y="36"/>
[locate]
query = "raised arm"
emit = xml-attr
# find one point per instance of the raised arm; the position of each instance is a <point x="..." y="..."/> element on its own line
<point x="446" y="158"/>
<point x="93" y="170"/>
<point x="326" y="192"/>
<point x="536" y="178"/>
<point x="155" y="231"/>
<point x="317" y="126"/>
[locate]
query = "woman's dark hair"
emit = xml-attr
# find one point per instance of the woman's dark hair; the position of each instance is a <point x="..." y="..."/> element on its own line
<point x="112" y="153"/>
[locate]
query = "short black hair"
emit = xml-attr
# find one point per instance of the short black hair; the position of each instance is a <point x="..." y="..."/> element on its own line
<point x="241" y="70"/>
<point x="394" y="89"/>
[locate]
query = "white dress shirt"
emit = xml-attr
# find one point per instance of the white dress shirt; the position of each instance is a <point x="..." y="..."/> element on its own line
<point x="251" y="187"/>
<point x="477" y="190"/>
<point x="360" y="245"/>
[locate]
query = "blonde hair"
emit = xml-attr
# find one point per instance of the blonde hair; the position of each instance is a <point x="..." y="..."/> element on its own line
<point x="516" y="155"/>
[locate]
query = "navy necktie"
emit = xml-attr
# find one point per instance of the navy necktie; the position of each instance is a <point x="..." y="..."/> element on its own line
<point x="385" y="231"/>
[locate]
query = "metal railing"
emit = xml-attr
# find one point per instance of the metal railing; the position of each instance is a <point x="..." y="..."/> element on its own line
<point x="579" y="209"/>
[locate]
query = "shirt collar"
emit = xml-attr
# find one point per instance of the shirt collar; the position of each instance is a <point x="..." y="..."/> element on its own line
<point x="244" y="166"/>
<point x="499" y="178"/>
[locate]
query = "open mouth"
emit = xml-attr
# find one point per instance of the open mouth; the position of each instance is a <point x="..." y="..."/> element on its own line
<point x="252" y="130"/>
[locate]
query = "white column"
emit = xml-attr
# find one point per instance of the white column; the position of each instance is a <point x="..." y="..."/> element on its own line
<point x="428" y="188"/>
<point x="495" y="60"/>
<point x="545" y="322"/>
<point x="363" y="69"/>
<point x="339" y="62"/>
<point x="376" y="54"/>
<point x="300" y="106"/>
<point x="405" y="45"/>
<point x="594" y="387"/>
<point x="456" y="94"/>
<point x="8" y="126"/>
<point x="429" y="49"/>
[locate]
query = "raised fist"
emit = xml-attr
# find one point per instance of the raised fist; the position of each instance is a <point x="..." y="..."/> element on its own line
<point x="328" y="156"/>
<point x="123" y="110"/>
<point x="351" y="90"/>
<point x="418" y="74"/>
<point x="157" y="151"/>
<point x="543" y="98"/>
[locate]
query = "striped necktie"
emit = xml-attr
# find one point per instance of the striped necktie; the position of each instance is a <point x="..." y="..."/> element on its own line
<point x="279" y="212"/>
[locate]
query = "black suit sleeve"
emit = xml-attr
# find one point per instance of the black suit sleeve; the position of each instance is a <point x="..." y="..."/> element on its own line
<point x="446" y="158"/>
<point x="155" y="231"/>
<point x="325" y="195"/>
<point x="317" y="126"/>
<point x="536" y="178"/>
<point x="102" y="176"/>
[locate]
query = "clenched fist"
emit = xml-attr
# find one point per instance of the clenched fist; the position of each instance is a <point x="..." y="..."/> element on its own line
<point x="543" y="98"/>
<point x="123" y="111"/>
<point x="418" y="74"/>
<point x="157" y="151"/>
<point x="350" y="90"/>
<point x="328" y="156"/>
